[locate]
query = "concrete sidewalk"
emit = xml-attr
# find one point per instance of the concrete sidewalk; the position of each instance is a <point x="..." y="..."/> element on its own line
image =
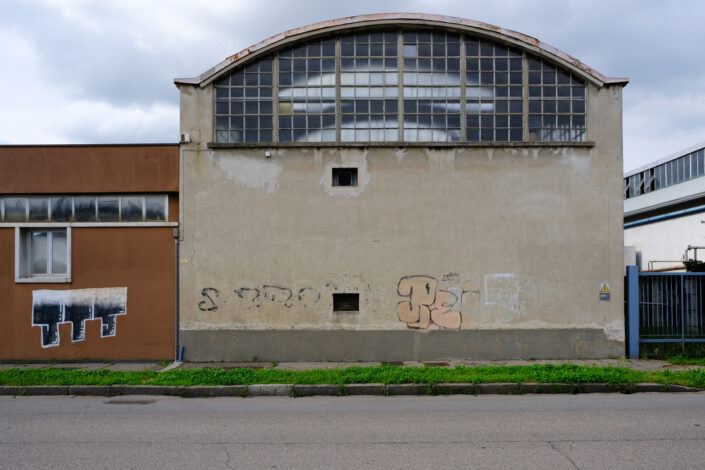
<point x="636" y="364"/>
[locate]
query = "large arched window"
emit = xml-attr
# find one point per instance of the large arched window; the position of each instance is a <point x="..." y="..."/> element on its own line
<point x="399" y="86"/>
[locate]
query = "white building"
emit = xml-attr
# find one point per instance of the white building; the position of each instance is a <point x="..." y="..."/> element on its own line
<point x="664" y="210"/>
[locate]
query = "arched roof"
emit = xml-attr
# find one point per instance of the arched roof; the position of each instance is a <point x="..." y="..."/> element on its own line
<point x="476" y="28"/>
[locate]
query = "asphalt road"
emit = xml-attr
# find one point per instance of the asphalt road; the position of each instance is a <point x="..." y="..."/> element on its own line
<point x="549" y="431"/>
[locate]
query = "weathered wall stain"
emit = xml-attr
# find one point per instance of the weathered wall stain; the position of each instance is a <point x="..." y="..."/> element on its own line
<point x="52" y="307"/>
<point x="255" y="297"/>
<point x="427" y="304"/>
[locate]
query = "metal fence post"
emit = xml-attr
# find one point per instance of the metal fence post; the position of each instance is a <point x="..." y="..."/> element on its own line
<point x="682" y="279"/>
<point x="633" y="312"/>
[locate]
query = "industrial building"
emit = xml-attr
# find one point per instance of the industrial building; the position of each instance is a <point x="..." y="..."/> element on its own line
<point x="397" y="187"/>
<point x="664" y="203"/>
<point x="88" y="251"/>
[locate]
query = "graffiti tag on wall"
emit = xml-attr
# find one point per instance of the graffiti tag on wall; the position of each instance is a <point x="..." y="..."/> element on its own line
<point x="255" y="297"/>
<point x="53" y="307"/>
<point x="503" y="296"/>
<point x="427" y="304"/>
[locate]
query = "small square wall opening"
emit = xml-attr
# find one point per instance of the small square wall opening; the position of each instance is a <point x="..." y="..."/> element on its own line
<point x="344" y="176"/>
<point x="346" y="302"/>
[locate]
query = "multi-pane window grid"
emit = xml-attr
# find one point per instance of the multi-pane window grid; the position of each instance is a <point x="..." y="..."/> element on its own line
<point x="104" y="208"/>
<point x="494" y="92"/>
<point x="244" y="105"/>
<point x="369" y="87"/>
<point x="307" y="88"/>
<point x="432" y="88"/>
<point x="676" y="171"/>
<point x="556" y="104"/>
<point x="488" y="103"/>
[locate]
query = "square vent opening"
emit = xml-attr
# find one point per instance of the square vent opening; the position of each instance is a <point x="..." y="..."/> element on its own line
<point x="344" y="176"/>
<point x="346" y="302"/>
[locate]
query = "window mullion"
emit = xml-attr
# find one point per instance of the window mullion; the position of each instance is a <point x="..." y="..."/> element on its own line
<point x="463" y="85"/>
<point x="50" y="252"/>
<point x="400" y="91"/>
<point x="338" y="109"/>
<point x="525" y="97"/>
<point x="275" y="98"/>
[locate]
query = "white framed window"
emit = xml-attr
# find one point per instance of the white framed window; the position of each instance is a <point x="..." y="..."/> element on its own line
<point x="43" y="254"/>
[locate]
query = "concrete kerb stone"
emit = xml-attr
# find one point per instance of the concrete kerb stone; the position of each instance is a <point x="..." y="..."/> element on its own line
<point x="120" y="390"/>
<point x="409" y="389"/>
<point x="365" y="389"/>
<point x="195" y="391"/>
<point x="454" y="389"/>
<point x="317" y="390"/>
<point x="497" y="389"/>
<point x="35" y="390"/>
<point x="90" y="390"/>
<point x="270" y="390"/>
<point x="303" y="390"/>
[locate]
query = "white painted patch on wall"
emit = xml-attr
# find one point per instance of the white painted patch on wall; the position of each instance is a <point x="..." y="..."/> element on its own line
<point x="400" y="153"/>
<point x="50" y="308"/>
<point x="579" y="164"/>
<point x="501" y="292"/>
<point x="615" y="331"/>
<point x="249" y="172"/>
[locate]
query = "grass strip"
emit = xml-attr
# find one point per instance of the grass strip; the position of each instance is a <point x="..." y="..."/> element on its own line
<point x="684" y="360"/>
<point x="543" y="373"/>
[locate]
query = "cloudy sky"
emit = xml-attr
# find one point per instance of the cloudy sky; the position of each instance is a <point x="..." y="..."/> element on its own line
<point x="101" y="71"/>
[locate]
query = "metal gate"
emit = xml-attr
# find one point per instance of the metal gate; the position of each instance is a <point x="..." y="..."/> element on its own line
<point x="664" y="308"/>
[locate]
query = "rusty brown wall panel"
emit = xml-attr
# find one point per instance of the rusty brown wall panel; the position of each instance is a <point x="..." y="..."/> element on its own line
<point x="89" y="169"/>
<point x="141" y="259"/>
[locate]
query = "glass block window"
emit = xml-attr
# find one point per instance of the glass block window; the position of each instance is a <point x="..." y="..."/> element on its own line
<point x="556" y="104"/>
<point x="432" y="88"/>
<point x="494" y="92"/>
<point x="243" y="104"/>
<point x="369" y="80"/>
<point x="103" y="208"/>
<point x="307" y="93"/>
<point x="400" y="86"/>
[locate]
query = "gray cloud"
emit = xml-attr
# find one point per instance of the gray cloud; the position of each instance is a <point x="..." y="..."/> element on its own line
<point x="86" y="71"/>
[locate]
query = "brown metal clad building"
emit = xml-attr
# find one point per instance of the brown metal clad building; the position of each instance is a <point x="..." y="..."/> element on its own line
<point x="87" y="251"/>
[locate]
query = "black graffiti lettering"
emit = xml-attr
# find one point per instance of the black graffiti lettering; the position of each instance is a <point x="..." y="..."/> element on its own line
<point x="247" y="293"/>
<point x="107" y="312"/>
<point x="77" y="315"/>
<point x="50" y="308"/>
<point x="308" y="296"/>
<point x="48" y="316"/>
<point x="282" y="295"/>
<point x="208" y="304"/>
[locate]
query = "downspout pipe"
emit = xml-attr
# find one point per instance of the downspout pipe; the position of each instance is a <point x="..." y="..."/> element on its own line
<point x="176" y="294"/>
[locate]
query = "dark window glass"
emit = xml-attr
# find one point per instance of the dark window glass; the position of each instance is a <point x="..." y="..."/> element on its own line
<point x="84" y="208"/>
<point x="108" y="209"/>
<point x="61" y="209"/>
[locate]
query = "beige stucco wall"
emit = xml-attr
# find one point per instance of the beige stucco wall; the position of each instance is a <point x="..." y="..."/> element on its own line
<point x="510" y="237"/>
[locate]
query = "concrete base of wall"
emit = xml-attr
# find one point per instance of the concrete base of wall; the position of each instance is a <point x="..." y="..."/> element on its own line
<point x="402" y="345"/>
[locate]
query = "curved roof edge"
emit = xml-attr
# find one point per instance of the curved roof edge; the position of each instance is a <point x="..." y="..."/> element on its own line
<point x="482" y="29"/>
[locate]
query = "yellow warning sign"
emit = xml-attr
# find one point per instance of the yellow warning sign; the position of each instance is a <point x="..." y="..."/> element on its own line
<point x="605" y="287"/>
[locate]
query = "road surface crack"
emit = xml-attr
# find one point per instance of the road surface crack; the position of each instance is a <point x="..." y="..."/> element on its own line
<point x="564" y="455"/>
<point x="229" y="458"/>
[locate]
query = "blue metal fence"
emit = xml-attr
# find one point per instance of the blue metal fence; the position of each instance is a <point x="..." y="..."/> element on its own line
<point x="664" y="308"/>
